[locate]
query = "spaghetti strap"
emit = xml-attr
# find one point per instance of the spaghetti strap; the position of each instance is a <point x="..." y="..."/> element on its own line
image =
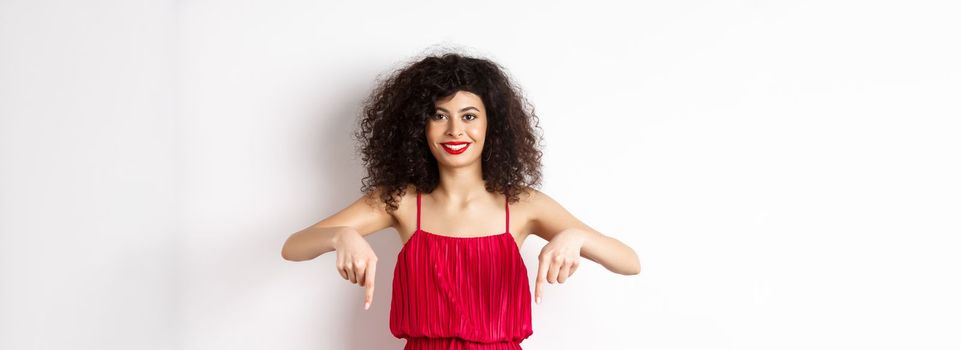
<point x="507" y="210"/>
<point x="418" y="210"/>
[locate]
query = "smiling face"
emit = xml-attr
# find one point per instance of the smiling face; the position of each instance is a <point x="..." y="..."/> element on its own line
<point x="456" y="130"/>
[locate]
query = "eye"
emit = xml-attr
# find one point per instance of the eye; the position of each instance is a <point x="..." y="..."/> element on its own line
<point x="474" y="116"/>
<point x="436" y="116"/>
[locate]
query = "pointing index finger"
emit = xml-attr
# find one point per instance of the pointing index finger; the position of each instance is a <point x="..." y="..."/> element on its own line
<point x="542" y="267"/>
<point x="369" y="287"/>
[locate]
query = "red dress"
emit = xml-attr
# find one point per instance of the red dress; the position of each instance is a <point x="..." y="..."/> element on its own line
<point x="460" y="292"/>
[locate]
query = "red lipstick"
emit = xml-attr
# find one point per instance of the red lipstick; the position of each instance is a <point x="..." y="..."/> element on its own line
<point x="447" y="146"/>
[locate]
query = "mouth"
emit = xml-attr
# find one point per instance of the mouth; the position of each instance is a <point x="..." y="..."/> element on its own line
<point x="455" y="147"/>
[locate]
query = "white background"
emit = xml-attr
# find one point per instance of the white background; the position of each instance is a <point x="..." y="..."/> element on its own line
<point x="786" y="171"/>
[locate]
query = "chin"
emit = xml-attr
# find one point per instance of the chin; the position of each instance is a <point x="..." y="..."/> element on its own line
<point x="459" y="162"/>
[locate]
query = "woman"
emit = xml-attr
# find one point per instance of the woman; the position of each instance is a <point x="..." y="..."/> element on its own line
<point x="451" y="156"/>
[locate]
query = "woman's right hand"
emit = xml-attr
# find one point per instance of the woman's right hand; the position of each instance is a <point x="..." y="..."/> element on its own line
<point x="356" y="261"/>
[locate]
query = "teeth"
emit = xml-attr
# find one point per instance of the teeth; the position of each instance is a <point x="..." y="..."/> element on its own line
<point x="456" y="147"/>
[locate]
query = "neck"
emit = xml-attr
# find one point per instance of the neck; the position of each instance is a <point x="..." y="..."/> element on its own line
<point x="461" y="184"/>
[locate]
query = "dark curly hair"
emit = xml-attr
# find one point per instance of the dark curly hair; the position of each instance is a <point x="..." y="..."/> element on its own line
<point x="391" y="132"/>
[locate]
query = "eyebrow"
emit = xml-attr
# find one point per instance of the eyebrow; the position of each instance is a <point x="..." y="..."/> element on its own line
<point x="462" y="109"/>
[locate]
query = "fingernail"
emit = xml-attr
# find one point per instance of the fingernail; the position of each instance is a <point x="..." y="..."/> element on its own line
<point x="366" y="306"/>
<point x="538" y="300"/>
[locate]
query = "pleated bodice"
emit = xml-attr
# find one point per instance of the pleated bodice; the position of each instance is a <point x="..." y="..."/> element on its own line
<point x="460" y="292"/>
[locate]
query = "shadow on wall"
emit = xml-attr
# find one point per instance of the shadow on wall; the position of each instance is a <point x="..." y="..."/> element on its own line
<point x="334" y="152"/>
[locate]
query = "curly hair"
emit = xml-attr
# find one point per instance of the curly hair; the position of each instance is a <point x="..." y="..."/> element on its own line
<point x="391" y="133"/>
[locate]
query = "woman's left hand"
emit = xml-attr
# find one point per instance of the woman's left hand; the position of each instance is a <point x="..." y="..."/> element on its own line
<point x="558" y="259"/>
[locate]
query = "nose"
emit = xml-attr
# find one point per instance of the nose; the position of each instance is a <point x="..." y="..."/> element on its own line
<point x="454" y="129"/>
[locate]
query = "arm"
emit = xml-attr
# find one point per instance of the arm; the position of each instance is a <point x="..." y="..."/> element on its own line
<point x="344" y="233"/>
<point x="365" y="216"/>
<point x="552" y="220"/>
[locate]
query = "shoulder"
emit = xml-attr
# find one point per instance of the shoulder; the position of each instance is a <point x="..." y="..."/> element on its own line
<point x="376" y="195"/>
<point x="547" y="216"/>
<point x="537" y="204"/>
<point x="376" y="205"/>
<point x="406" y="202"/>
<point x="536" y="200"/>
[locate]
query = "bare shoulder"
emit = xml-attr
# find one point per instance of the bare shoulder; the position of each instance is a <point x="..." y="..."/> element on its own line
<point x="535" y="201"/>
<point x="527" y="209"/>
<point x="367" y="214"/>
<point x="406" y="211"/>
<point x="525" y="201"/>
<point x="375" y="197"/>
<point x="548" y="217"/>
